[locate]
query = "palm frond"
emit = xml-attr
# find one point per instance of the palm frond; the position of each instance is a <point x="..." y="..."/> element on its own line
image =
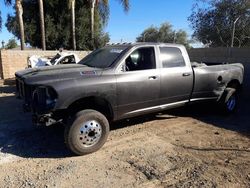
<point x="8" y="2"/>
<point x="125" y="4"/>
<point x="103" y="10"/>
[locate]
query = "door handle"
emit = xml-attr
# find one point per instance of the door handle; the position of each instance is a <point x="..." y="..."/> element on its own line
<point x="152" y="77"/>
<point x="186" y="74"/>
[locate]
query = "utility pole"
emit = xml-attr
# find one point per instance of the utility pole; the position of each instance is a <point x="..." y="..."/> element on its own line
<point x="233" y="33"/>
<point x="174" y="37"/>
<point x="144" y="36"/>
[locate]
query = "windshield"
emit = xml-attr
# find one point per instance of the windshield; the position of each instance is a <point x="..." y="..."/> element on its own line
<point x="104" y="57"/>
<point x="54" y="59"/>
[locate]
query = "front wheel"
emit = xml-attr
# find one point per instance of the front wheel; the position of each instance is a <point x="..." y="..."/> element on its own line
<point x="87" y="133"/>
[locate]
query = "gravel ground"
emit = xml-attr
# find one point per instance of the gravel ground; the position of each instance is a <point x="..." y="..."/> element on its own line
<point x="193" y="146"/>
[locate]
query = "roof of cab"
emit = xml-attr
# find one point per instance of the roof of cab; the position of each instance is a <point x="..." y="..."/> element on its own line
<point x="144" y="44"/>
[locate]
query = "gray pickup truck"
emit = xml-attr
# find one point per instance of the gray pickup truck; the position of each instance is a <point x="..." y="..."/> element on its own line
<point x="118" y="82"/>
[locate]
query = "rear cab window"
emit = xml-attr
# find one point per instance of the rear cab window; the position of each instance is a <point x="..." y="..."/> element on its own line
<point x="171" y="57"/>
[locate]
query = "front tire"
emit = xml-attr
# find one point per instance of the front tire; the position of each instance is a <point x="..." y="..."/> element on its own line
<point x="87" y="133"/>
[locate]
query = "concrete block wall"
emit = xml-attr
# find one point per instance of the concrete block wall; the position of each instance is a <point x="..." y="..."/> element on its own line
<point x="1" y="70"/>
<point x="15" y="60"/>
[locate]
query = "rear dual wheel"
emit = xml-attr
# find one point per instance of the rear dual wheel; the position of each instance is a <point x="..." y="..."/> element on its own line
<point x="229" y="99"/>
<point x="87" y="133"/>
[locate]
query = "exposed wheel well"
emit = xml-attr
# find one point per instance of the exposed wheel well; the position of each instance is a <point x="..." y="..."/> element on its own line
<point x="95" y="103"/>
<point x="234" y="84"/>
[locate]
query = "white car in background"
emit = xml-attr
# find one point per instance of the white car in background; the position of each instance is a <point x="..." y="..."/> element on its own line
<point x="59" y="59"/>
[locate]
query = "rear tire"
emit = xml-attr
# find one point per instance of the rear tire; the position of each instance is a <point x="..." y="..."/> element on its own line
<point x="228" y="101"/>
<point x="87" y="133"/>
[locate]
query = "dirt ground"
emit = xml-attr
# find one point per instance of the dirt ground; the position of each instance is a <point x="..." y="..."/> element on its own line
<point x="190" y="147"/>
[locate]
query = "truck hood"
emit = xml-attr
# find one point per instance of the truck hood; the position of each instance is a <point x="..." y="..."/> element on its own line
<point x="43" y="75"/>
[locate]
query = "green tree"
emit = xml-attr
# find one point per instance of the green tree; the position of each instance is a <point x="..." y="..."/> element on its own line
<point x="164" y="34"/>
<point x="150" y="34"/>
<point x="58" y="25"/>
<point x="213" y="25"/>
<point x="11" y="44"/>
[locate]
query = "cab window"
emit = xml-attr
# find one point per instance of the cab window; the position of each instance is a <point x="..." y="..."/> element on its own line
<point x="68" y="60"/>
<point x="171" y="57"/>
<point x="141" y="59"/>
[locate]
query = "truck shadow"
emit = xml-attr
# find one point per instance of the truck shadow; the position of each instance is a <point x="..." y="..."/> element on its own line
<point x="204" y="112"/>
<point x="18" y="137"/>
<point x="209" y="114"/>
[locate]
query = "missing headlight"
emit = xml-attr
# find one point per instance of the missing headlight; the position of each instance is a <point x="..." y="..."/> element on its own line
<point x="51" y="95"/>
<point x="44" y="98"/>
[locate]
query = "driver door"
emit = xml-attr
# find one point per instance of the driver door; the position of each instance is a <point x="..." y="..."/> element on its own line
<point x="138" y="83"/>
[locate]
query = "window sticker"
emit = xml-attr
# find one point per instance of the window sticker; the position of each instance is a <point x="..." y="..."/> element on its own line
<point x="118" y="51"/>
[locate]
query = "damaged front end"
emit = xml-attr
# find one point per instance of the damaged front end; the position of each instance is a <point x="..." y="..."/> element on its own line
<point x="40" y="100"/>
<point x="43" y="102"/>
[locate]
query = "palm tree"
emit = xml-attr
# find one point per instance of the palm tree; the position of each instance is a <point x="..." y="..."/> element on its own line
<point x="42" y="26"/>
<point x="19" y="10"/>
<point x="94" y="3"/>
<point x="73" y="27"/>
<point x="92" y="9"/>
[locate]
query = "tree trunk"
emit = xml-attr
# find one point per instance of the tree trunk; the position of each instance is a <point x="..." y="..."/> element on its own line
<point x="73" y="25"/>
<point x="42" y="26"/>
<point x="19" y="10"/>
<point x="93" y="2"/>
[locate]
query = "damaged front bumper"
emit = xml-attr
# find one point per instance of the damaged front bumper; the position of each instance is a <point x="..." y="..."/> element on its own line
<point x="44" y="120"/>
<point x="44" y="117"/>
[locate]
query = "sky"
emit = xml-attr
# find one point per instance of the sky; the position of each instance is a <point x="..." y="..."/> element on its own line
<point x="145" y="13"/>
<point x="125" y="27"/>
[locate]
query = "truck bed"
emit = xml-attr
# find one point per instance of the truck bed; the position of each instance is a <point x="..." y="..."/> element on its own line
<point x="210" y="80"/>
